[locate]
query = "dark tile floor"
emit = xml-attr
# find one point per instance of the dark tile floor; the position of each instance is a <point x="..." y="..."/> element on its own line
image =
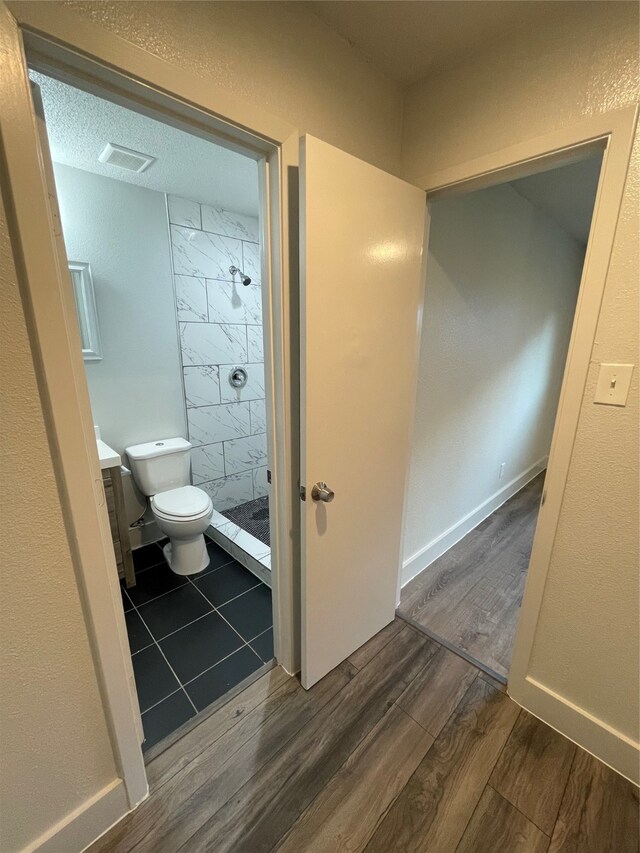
<point x="193" y="638"/>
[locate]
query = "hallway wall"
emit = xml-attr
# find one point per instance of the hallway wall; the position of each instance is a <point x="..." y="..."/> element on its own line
<point x="56" y="750"/>
<point x="585" y="61"/>
<point x="502" y="281"/>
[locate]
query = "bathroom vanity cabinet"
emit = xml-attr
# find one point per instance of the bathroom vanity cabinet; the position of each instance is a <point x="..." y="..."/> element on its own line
<point x="112" y="481"/>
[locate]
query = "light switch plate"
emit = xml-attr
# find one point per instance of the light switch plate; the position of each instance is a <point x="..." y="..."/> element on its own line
<point x="613" y="384"/>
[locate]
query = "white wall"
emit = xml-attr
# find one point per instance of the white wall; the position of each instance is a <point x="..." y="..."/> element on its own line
<point x="121" y="230"/>
<point x="502" y="280"/>
<point x="586" y="61"/>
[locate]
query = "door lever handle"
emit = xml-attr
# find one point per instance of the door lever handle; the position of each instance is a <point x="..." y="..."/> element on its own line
<point x="322" y="492"/>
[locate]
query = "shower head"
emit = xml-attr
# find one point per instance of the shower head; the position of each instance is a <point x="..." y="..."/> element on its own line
<point x="243" y="278"/>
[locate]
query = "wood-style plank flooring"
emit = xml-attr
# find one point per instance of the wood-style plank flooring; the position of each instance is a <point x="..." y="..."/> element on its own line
<point x="404" y="747"/>
<point x="471" y="596"/>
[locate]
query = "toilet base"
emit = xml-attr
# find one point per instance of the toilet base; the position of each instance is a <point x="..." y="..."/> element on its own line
<point x="187" y="556"/>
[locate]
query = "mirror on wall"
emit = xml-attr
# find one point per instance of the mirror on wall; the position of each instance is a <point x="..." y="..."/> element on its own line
<point x="86" y="308"/>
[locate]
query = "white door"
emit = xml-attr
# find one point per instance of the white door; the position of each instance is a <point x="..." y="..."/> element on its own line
<point x="362" y="234"/>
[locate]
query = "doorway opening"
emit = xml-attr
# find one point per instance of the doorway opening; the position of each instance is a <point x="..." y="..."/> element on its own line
<point x="164" y="236"/>
<point x="503" y="275"/>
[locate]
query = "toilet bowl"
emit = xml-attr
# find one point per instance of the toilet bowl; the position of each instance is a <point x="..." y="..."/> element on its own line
<point x="182" y="512"/>
<point x="183" y="515"/>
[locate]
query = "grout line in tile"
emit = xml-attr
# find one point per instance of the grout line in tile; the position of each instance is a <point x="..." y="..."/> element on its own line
<point x="270" y="628"/>
<point x="186" y="625"/>
<point x="204" y="572"/>
<point x="148" y="568"/>
<point x="214" y="665"/>
<point x="207" y="571"/>
<point x="182" y="685"/>
<point x="245" y="642"/>
<point x="162" y="594"/>
<point x="159" y="702"/>
<point x="221" y="615"/>
<point x="259" y="655"/>
<point x="208" y="320"/>
<point x="175" y="675"/>
<point x="156" y="542"/>
<point x="232" y="559"/>
<point x="133" y="654"/>
<point x="235" y="597"/>
<point x="160" y="562"/>
<point x="224" y="455"/>
<point x="189" y="698"/>
<point x="184" y="691"/>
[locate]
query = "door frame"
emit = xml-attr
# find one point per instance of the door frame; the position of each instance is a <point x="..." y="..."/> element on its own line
<point x="613" y="134"/>
<point x="58" y="42"/>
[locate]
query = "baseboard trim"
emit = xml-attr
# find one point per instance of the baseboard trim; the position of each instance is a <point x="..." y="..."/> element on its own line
<point x="592" y="734"/>
<point x="423" y="558"/>
<point x="84" y="825"/>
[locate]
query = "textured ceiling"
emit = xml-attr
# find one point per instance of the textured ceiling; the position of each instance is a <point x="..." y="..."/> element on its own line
<point x="566" y="195"/>
<point x="79" y="125"/>
<point x="411" y="39"/>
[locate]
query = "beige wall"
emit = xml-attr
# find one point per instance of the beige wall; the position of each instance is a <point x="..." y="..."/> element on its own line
<point x="55" y="746"/>
<point x="275" y="55"/>
<point x="584" y="62"/>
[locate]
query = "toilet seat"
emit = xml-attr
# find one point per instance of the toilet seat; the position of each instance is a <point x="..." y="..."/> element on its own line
<point x="182" y="504"/>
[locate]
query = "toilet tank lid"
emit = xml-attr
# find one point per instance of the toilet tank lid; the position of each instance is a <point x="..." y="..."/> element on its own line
<point x="163" y="447"/>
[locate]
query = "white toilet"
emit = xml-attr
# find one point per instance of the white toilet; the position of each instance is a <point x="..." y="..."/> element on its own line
<point x="182" y="512"/>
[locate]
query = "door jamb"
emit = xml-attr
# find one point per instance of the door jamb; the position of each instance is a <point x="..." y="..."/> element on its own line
<point x="613" y="131"/>
<point x="74" y="48"/>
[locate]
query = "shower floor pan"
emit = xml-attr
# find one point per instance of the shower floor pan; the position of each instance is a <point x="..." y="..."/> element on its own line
<point x="252" y="516"/>
<point x="247" y="549"/>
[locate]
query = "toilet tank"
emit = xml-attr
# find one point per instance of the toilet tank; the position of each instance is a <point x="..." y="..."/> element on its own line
<point x="158" y="466"/>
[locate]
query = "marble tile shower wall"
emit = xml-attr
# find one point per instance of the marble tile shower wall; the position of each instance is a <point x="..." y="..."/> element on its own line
<point x="220" y="324"/>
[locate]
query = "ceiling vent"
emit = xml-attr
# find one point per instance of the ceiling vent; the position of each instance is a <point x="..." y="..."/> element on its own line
<point x="125" y="158"/>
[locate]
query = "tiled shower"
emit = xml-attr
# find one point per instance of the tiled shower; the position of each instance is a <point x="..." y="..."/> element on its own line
<point x="220" y="322"/>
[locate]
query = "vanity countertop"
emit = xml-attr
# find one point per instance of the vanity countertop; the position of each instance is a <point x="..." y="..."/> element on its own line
<point x="108" y="457"/>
